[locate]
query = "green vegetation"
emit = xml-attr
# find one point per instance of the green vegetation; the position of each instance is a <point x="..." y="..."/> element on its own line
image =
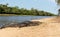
<point x="5" y="9"/>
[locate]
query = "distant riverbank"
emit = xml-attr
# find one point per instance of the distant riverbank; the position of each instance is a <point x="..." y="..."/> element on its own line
<point x="7" y="14"/>
<point x="18" y="15"/>
<point x="14" y="15"/>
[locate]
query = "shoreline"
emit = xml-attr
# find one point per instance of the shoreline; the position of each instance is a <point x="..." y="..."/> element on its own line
<point x="50" y="19"/>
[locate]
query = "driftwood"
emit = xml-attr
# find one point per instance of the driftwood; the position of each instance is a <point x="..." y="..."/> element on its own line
<point x="22" y="24"/>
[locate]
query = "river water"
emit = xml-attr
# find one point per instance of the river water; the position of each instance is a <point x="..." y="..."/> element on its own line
<point x="9" y="19"/>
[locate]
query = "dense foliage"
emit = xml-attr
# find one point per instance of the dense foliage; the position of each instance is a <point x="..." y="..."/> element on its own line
<point x="5" y="9"/>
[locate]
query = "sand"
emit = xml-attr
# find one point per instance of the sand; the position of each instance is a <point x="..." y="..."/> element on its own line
<point x="49" y="28"/>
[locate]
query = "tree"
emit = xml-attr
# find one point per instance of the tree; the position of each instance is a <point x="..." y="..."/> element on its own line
<point x="58" y="3"/>
<point x="5" y="9"/>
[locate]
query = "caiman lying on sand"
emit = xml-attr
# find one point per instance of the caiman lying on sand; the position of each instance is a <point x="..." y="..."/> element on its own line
<point x="22" y="24"/>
